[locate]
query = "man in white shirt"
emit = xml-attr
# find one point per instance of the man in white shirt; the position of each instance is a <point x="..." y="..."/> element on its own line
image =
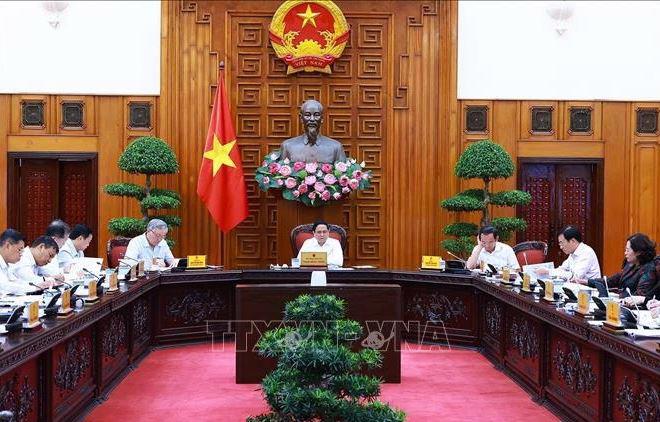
<point x="27" y="270"/>
<point x="151" y="245"/>
<point x="59" y="231"/>
<point x="322" y="242"/>
<point x="582" y="262"/>
<point x="74" y="247"/>
<point x="490" y="251"/>
<point x="11" y="248"/>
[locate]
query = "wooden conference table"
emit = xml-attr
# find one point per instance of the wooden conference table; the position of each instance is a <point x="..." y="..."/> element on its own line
<point x="579" y="371"/>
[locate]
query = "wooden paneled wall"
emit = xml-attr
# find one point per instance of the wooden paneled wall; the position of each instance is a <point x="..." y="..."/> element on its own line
<point x="625" y="135"/>
<point x="383" y="101"/>
<point x="106" y="131"/>
<point x="411" y="138"/>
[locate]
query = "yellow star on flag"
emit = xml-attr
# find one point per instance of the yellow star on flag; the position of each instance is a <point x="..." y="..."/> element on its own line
<point x="220" y="154"/>
<point x="308" y="16"/>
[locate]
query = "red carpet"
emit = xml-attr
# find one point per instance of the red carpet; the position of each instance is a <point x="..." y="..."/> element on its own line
<point x="196" y="383"/>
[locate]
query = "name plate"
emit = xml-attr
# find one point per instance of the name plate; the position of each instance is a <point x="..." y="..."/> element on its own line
<point x="66" y="301"/>
<point x="525" y="282"/>
<point x="584" y="297"/>
<point x="313" y="259"/>
<point x="432" y="262"/>
<point x="196" y="261"/>
<point x="33" y="315"/>
<point x="549" y="291"/>
<point x="91" y="287"/>
<point x="134" y="272"/>
<point x="140" y="269"/>
<point x="613" y="313"/>
<point x="113" y="282"/>
<point x="506" y="275"/>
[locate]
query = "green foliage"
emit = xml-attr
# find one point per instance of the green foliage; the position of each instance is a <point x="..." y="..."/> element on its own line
<point x="470" y="200"/>
<point x="461" y="246"/>
<point x="127" y="226"/>
<point x="511" y="198"/>
<point x="461" y="229"/>
<point x="484" y="160"/>
<point x="159" y="202"/>
<point x="506" y="225"/>
<point x="124" y="189"/>
<point x="487" y="161"/>
<point x="318" y="375"/>
<point x="170" y="220"/>
<point x="148" y="155"/>
<point x="165" y="192"/>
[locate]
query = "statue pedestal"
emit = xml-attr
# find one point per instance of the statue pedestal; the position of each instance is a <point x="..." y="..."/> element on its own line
<point x="292" y="213"/>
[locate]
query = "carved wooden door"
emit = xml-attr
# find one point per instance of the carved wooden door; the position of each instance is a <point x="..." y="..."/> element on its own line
<point x="563" y="193"/>
<point x="42" y="189"/>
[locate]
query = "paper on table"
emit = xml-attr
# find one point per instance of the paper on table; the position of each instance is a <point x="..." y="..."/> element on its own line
<point x="531" y="269"/>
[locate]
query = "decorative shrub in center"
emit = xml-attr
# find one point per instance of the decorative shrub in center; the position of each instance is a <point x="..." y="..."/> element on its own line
<point x="318" y="376"/>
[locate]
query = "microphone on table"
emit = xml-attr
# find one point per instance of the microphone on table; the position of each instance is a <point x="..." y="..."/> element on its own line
<point x="91" y="273"/>
<point x="460" y="259"/>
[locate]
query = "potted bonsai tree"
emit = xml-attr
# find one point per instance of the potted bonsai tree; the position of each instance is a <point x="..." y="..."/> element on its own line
<point x="318" y="375"/>
<point x="487" y="161"/>
<point x="149" y="156"/>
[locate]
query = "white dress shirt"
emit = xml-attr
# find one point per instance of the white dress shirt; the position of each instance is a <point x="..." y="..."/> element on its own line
<point x="582" y="263"/>
<point x="502" y="256"/>
<point x="331" y="246"/>
<point x="26" y="270"/>
<point x="139" y="249"/>
<point x="7" y="283"/>
<point x="68" y="253"/>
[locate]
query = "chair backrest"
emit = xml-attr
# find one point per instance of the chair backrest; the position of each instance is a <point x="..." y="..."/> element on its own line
<point x="116" y="250"/>
<point x="304" y="231"/>
<point x="531" y="252"/>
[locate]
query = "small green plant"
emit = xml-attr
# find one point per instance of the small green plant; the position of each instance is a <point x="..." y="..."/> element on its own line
<point x="487" y="161"/>
<point x="318" y="376"/>
<point x="149" y="156"/>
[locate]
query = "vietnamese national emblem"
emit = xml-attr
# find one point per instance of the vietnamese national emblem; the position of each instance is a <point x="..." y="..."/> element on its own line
<point x="308" y="34"/>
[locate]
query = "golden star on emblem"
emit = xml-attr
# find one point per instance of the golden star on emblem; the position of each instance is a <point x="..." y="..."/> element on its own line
<point x="220" y="154"/>
<point x="308" y="16"/>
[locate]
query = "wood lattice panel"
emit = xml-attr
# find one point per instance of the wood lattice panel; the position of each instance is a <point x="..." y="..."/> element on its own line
<point x="266" y="103"/>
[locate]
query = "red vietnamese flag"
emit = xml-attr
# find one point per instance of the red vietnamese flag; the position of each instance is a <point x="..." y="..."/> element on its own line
<point x="221" y="185"/>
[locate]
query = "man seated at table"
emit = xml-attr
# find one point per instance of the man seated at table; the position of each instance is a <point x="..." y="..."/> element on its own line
<point x="59" y="231"/>
<point x="28" y="271"/>
<point x="74" y="247"/>
<point x="11" y="246"/>
<point x="151" y="246"/>
<point x="490" y="251"/>
<point x="322" y="242"/>
<point x="582" y="262"/>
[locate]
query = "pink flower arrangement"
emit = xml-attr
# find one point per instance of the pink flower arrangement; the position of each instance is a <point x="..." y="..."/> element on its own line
<point x="312" y="183"/>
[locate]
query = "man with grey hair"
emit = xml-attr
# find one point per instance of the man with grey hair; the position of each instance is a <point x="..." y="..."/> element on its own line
<point x="311" y="146"/>
<point x="151" y="245"/>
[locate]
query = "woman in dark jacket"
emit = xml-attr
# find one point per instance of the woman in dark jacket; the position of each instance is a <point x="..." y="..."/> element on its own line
<point x="638" y="273"/>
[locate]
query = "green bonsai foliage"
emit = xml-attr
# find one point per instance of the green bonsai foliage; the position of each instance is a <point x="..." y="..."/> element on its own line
<point x="487" y="161"/>
<point x="149" y="156"/>
<point x="318" y="375"/>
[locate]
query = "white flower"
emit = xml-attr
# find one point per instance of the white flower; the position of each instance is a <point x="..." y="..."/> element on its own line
<point x="319" y="173"/>
<point x="352" y="160"/>
<point x="363" y="164"/>
<point x="273" y="156"/>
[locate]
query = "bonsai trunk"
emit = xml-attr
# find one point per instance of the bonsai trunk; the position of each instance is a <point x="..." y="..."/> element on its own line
<point x="485" y="215"/>
<point x="147" y="191"/>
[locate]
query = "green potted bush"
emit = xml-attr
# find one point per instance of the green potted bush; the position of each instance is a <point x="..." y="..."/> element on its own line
<point x="318" y="375"/>
<point x="149" y="156"/>
<point x="487" y="161"/>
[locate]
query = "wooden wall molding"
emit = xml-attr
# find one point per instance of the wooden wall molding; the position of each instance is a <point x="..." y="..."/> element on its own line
<point x="52" y="143"/>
